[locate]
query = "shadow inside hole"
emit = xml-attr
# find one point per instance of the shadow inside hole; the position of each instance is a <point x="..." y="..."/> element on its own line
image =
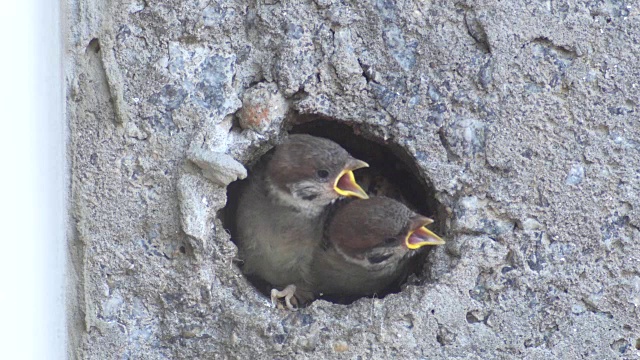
<point x="389" y="162"/>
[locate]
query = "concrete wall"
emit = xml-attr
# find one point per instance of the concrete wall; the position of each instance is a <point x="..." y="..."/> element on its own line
<point x="523" y="116"/>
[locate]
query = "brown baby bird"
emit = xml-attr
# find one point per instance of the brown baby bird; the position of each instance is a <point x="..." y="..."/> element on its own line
<point x="367" y="247"/>
<point x="282" y="209"/>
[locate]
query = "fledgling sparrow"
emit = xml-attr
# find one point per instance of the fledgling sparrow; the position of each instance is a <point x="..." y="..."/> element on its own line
<point x="367" y="246"/>
<point x="281" y="211"/>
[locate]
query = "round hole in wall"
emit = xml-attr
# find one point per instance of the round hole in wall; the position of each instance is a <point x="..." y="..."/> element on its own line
<point x="396" y="175"/>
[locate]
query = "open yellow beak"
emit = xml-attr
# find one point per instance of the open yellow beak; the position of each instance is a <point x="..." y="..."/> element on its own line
<point x="346" y="184"/>
<point x="422" y="236"/>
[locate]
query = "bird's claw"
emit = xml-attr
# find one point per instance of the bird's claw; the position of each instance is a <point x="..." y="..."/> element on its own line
<point x="288" y="293"/>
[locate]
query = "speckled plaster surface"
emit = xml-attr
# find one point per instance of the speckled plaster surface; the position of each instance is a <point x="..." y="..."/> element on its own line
<point x="522" y="115"/>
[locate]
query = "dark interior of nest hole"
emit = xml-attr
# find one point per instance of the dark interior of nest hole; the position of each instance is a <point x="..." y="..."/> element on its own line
<point x="387" y="160"/>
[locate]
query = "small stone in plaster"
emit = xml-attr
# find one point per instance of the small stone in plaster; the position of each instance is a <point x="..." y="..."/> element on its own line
<point x="531" y="224"/>
<point x="575" y="176"/>
<point x="340" y="347"/>
<point x="262" y="107"/>
<point x="219" y="168"/>
<point x="578" y="309"/>
<point x="136" y="6"/>
<point x="466" y="138"/>
<point x="473" y="215"/>
<point x="133" y="131"/>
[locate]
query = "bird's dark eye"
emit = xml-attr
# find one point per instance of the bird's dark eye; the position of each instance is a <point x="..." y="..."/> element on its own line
<point x="389" y="241"/>
<point x="377" y="259"/>
<point x="323" y="174"/>
<point x="310" y="197"/>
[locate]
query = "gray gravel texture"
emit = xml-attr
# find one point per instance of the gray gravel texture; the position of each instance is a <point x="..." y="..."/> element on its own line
<point x="522" y="115"/>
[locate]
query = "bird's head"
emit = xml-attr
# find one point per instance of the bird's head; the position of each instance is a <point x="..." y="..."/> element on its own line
<point x="379" y="233"/>
<point x="311" y="172"/>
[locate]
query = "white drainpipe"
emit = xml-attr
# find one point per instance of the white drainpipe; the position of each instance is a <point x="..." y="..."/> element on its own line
<point x="33" y="182"/>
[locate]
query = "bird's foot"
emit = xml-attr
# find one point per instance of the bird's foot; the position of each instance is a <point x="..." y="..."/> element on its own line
<point x="288" y="293"/>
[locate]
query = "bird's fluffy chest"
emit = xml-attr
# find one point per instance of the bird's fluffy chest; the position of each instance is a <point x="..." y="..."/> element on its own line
<point x="282" y="253"/>
<point x="276" y="241"/>
<point x="289" y="239"/>
<point x="332" y="274"/>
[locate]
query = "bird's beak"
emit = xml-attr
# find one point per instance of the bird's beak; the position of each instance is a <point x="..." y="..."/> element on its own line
<point x="346" y="184"/>
<point x="420" y="235"/>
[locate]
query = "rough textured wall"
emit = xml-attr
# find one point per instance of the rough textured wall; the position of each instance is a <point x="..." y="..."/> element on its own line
<point x="522" y="115"/>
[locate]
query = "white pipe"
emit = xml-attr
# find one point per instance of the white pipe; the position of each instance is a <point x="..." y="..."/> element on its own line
<point x="33" y="186"/>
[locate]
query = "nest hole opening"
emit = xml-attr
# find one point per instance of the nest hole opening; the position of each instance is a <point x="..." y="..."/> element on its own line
<point x="387" y="160"/>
